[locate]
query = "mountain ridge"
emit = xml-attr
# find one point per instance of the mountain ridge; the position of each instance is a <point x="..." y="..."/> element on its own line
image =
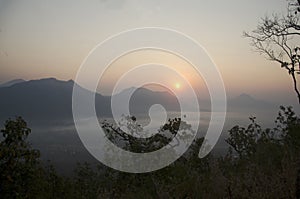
<point x="50" y="98"/>
<point x="12" y="82"/>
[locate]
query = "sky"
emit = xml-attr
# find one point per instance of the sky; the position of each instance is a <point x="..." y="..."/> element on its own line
<point x="40" y="39"/>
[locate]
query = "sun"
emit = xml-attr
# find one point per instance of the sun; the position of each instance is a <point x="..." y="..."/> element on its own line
<point x="177" y="85"/>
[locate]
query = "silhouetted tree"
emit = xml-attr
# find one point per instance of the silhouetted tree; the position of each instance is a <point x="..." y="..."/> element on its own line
<point x="276" y="37"/>
<point x="265" y="162"/>
<point x="260" y="163"/>
<point x="132" y="142"/>
<point x="19" y="163"/>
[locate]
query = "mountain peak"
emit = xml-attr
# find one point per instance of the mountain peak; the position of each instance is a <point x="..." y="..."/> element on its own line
<point x="245" y="96"/>
<point x="12" y="82"/>
<point x="50" y="80"/>
<point x="47" y="79"/>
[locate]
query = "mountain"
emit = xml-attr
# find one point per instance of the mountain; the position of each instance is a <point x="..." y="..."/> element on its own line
<point x="245" y="102"/>
<point x="142" y="99"/>
<point x="12" y="82"/>
<point x="51" y="100"/>
<point x="41" y="100"/>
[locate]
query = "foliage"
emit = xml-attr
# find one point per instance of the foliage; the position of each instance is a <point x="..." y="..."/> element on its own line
<point x="21" y="172"/>
<point x="267" y="160"/>
<point x="131" y="140"/>
<point x="18" y="162"/>
<point x="260" y="163"/>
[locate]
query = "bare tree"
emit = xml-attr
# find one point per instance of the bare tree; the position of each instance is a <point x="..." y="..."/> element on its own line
<point x="278" y="38"/>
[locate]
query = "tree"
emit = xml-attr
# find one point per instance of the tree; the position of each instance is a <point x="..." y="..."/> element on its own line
<point x="19" y="163"/>
<point x="264" y="154"/>
<point x="147" y="185"/>
<point x="277" y="38"/>
<point x="143" y="145"/>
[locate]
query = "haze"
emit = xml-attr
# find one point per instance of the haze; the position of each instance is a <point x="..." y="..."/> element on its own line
<point x="41" y="39"/>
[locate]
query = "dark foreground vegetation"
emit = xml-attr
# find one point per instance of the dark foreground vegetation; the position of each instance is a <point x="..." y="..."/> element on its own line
<point x="260" y="163"/>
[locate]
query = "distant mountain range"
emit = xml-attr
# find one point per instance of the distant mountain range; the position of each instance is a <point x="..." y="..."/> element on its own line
<point x="43" y="99"/>
<point x="245" y="102"/>
<point x="142" y="99"/>
<point x="51" y="99"/>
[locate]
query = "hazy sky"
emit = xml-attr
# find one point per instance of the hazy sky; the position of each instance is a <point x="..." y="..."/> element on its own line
<point x="51" y="38"/>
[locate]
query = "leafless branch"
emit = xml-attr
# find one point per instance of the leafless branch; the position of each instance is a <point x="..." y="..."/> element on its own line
<point x="273" y="36"/>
